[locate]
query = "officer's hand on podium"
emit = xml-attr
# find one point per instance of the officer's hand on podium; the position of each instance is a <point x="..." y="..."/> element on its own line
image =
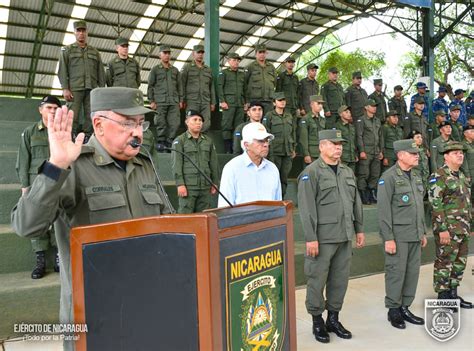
<point x="360" y="240"/>
<point x="312" y="248"/>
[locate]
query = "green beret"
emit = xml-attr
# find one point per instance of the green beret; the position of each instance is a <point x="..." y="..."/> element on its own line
<point x="444" y="124"/>
<point x="332" y="135"/>
<point x="125" y="101"/>
<point x="407" y="145"/>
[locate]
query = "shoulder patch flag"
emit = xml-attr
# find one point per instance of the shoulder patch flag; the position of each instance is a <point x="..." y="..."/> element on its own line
<point x="305" y="177"/>
<point x="237" y="133"/>
<point x="381" y="182"/>
<point x="176" y="142"/>
<point x="433" y="180"/>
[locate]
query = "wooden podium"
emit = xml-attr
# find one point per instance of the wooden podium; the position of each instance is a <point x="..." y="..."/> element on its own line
<point x="218" y="280"/>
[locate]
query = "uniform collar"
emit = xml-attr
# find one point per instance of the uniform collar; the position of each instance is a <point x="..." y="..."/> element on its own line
<point x="41" y="125"/>
<point x="102" y="157"/>
<point x="189" y="136"/>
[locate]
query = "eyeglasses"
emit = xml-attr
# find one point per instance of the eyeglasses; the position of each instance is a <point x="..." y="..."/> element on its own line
<point x="129" y="124"/>
<point x="264" y="141"/>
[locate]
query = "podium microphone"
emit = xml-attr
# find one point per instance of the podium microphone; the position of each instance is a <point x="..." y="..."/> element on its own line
<point x="161" y="147"/>
<point x="135" y="143"/>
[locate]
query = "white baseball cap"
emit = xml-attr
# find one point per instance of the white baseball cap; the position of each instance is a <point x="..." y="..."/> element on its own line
<point x="255" y="130"/>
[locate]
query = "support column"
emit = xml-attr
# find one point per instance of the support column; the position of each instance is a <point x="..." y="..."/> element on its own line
<point x="428" y="52"/>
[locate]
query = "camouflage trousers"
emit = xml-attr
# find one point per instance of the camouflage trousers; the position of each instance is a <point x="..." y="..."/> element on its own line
<point x="450" y="262"/>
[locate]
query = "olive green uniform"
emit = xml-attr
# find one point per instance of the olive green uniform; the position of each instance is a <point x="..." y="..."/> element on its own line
<point x="399" y="105"/>
<point x="33" y="151"/>
<point x="237" y="148"/>
<point x="423" y="167"/>
<point x="349" y="147"/>
<point x="309" y="127"/>
<point x="381" y="111"/>
<point x="199" y="92"/>
<point x="260" y="84"/>
<point x="306" y="88"/>
<point x="81" y="70"/>
<point x="230" y="89"/>
<point x="203" y="152"/>
<point x="436" y="149"/>
<point x="95" y="189"/>
<point x="390" y="134"/>
<point x="331" y="213"/>
<point x="433" y="132"/>
<point x="282" y="147"/>
<point x="412" y="121"/>
<point x="166" y="90"/>
<point x="123" y="73"/>
<point x="356" y="99"/>
<point x="370" y="140"/>
<point x="288" y="83"/>
<point x="401" y="218"/>
<point x="334" y="97"/>
<point x="457" y="132"/>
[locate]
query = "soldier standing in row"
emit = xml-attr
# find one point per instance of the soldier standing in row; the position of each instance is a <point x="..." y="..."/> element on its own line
<point x="287" y="82"/>
<point x="33" y="151"/>
<point x="379" y="97"/>
<point x="440" y="103"/>
<point x="454" y="116"/>
<point x="356" y="96"/>
<point x="370" y="146"/>
<point x="457" y="101"/>
<point x="309" y="127"/>
<point x="450" y="200"/>
<point x="346" y="126"/>
<point x="437" y="145"/>
<point x="260" y="79"/>
<point x="423" y="166"/>
<point x="80" y="71"/>
<point x="255" y="114"/>
<point x="123" y="70"/>
<point x="198" y="87"/>
<point x="397" y="102"/>
<point x="391" y="133"/>
<point x="329" y="227"/>
<point x="468" y="165"/>
<point x="402" y="227"/>
<point x="230" y="91"/>
<point x="282" y="149"/>
<point x="433" y="128"/>
<point x="416" y="121"/>
<point x="308" y="87"/>
<point x="194" y="192"/>
<point x="333" y="96"/>
<point x="421" y="94"/>
<point x="165" y="93"/>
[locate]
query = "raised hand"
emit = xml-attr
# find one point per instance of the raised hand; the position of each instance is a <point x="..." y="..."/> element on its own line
<point x="63" y="151"/>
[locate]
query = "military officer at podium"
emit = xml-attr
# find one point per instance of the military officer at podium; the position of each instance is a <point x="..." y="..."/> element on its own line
<point x="106" y="180"/>
<point x="331" y="213"/>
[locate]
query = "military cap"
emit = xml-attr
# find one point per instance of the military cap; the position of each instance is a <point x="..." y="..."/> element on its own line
<point x="257" y="131"/>
<point x="356" y="74"/>
<point x="290" y="58"/>
<point x="378" y="81"/>
<point x="192" y="113"/>
<point x="311" y="66"/>
<point x="420" y="85"/>
<point x="279" y="95"/>
<point x="165" y="48"/>
<point x="444" y="124"/>
<point x="371" y="102"/>
<point x="49" y="99"/>
<point x="197" y="48"/>
<point x="452" y="146"/>
<point x="439" y="113"/>
<point x="407" y="145"/>
<point x="455" y="107"/>
<point x="393" y="113"/>
<point x="468" y="126"/>
<point x="459" y="91"/>
<point x="342" y="109"/>
<point x="79" y="24"/>
<point x="255" y="103"/>
<point x="398" y="87"/>
<point x="121" y="41"/>
<point x="260" y="47"/>
<point x="442" y="89"/>
<point x="420" y="100"/>
<point x="234" y="55"/>
<point x="333" y="135"/>
<point x="333" y="70"/>
<point x="125" y="101"/>
<point x="316" y="98"/>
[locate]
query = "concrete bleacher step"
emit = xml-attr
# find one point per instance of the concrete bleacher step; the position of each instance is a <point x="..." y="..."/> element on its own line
<point x="24" y="300"/>
<point x="7" y="170"/>
<point x="10" y="132"/>
<point x="9" y="195"/>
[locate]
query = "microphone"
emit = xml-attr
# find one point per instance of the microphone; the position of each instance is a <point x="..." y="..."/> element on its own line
<point x="135" y="143"/>
<point x="161" y="147"/>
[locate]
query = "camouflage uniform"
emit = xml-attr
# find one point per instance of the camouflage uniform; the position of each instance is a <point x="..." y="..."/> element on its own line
<point x="450" y="199"/>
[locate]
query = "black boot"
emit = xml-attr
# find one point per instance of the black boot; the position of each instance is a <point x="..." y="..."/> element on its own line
<point x="363" y="197"/>
<point x="464" y="303"/>
<point x="410" y="317"/>
<point x="373" y="196"/>
<point x="319" y="329"/>
<point x="395" y="318"/>
<point x="446" y="295"/>
<point x="40" y="269"/>
<point x="334" y="326"/>
<point x="56" y="262"/>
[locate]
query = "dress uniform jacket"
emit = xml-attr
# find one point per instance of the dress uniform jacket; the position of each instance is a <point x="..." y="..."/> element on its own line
<point x="307" y="88"/>
<point x="289" y="84"/>
<point x="333" y="96"/>
<point x="310" y="126"/>
<point x="356" y="99"/>
<point x="260" y="82"/>
<point x="164" y="85"/>
<point x="123" y="73"/>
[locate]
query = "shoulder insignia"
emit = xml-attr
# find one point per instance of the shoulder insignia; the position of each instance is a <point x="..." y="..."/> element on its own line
<point x="63" y="48"/>
<point x="406" y="117"/>
<point x="359" y="120"/>
<point x="303" y="121"/>
<point x="305" y="177"/>
<point x="87" y="150"/>
<point x="237" y="133"/>
<point x="433" y="180"/>
<point x="175" y="142"/>
<point x="221" y="73"/>
<point x="381" y="182"/>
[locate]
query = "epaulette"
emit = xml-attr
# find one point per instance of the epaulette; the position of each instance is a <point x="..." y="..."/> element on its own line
<point x="87" y="149"/>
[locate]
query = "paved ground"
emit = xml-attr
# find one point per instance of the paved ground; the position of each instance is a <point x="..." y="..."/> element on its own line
<point x="364" y="314"/>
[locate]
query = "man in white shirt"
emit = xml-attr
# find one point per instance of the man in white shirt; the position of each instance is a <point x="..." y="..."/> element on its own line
<point x="250" y="176"/>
